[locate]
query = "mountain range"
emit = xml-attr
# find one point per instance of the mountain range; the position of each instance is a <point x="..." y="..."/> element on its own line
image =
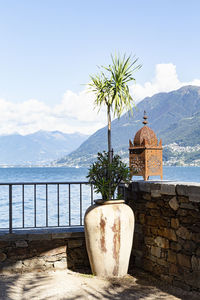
<point x="39" y="148"/>
<point x="175" y="118"/>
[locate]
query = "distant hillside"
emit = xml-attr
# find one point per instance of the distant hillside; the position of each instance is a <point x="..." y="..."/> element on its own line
<point x="38" y="148"/>
<point x="174" y="116"/>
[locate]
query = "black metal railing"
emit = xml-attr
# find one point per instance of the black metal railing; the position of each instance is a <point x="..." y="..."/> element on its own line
<point x="26" y="205"/>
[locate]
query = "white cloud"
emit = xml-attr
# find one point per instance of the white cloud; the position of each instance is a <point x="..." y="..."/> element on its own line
<point x="166" y="80"/>
<point x="75" y="111"/>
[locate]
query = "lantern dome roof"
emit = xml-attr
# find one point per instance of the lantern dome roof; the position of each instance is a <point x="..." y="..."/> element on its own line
<point x="145" y="136"/>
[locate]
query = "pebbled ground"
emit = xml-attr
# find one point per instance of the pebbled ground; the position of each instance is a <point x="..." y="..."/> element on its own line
<point x="65" y="284"/>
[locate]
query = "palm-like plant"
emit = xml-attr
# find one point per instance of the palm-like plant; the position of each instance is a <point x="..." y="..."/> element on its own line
<point x="111" y="89"/>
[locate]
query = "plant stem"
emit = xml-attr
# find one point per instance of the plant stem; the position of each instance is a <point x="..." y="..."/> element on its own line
<point x="109" y="148"/>
<point x="109" y="136"/>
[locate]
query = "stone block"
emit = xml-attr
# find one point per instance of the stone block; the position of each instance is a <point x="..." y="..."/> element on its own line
<point x="198" y="251"/>
<point x="163" y="253"/>
<point x="167" y="212"/>
<point x="195" y="261"/>
<point x="182" y="212"/>
<point x="21" y="244"/>
<point x="161" y="242"/>
<point x="156" y="251"/>
<point x="3" y="257"/>
<point x="155" y="186"/>
<point x="138" y="229"/>
<point x="175" y="246"/>
<point x="40" y="237"/>
<point x="162" y="262"/>
<point x="144" y="186"/>
<point x="75" y="243"/>
<point x="188" y="206"/>
<point x="60" y="265"/>
<point x="149" y="240"/>
<point x="142" y="218"/>
<point x="154" y="230"/>
<point x="168" y="233"/>
<point x="13" y="237"/>
<point x="54" y="251"/>
<point x="192" y="278"/>
<point x="166" y="278"/>
<point x="155" y="194"/>
<point x="168" y="189"/>
<point x="162" y="222"/>
<point x="134" y="186"/>
<point x="173" y="203"/>
<point x="138" y="241"/>
<point x="194" y="193"/>
<point x="52" y="259"/>
<point x="184" y="260"/>
<point x="196" y="237"/>
<point x="34" y="263"/>
<point x="17" y="252"/>
<point x="148" y="265"/>
<point x="63" y="235"/>
<point x="154" y="212"/>
<point x="184" y="233"/>
<point x="147" y="231"/>
<point x="152" y="221"/>
<point x="189" y="246"/>
<point x="158" y="270"/>
<point x="151" y="205"/>
<point x="183" y="199"/>
<point x="160" y="203"/>
<point x="4" y="244"/>
<point x="172" y="257"/>
<point x="195" y="214"/>
<point x="152" y="258"/>
<point x="138" y="253"/>
<point x="174" y="223"/>
<point x="18" y="265"/>
<point x="181" y="284"/>
<point x="182" y="189"/>
<point x="146" y="196"/>
<point x="187" y="220"/>
<point x="173" y="269"/>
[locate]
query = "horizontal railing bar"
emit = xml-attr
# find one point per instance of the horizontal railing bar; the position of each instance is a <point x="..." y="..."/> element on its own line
<point x="55" y="182"/>
<point x="38" y="227"/>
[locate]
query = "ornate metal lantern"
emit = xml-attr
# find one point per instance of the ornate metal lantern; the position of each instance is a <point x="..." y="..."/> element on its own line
<point x="145" y="154"/>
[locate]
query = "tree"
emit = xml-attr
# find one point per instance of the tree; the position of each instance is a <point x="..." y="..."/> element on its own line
<point x="111" y="89"/>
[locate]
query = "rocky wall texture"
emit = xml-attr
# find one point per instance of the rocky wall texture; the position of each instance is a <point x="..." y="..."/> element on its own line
<point x="28" y="252"/>
<point x="167" y="231"/>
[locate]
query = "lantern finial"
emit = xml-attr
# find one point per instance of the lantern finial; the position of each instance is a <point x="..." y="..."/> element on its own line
<point x="145" y="122"/>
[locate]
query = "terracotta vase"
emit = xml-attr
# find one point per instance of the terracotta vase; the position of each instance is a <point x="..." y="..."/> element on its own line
<point x="109" y="227"/>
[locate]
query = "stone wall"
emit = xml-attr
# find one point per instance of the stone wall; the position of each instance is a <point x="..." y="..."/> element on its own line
<point x="166" y="238"/>
<point x="41" y="251"/>
<point x="167" y="230"/>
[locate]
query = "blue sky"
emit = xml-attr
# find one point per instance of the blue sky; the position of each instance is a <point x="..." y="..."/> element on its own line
<point x="49" y="48"/>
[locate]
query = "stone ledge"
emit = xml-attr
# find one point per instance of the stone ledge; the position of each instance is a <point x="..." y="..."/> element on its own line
<point x="158" y="188"/>
<point x="42" y="234"/>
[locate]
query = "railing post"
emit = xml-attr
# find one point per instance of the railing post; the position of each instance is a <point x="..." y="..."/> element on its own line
<point x="81" y="204"/>
<point x="10" y="208"/>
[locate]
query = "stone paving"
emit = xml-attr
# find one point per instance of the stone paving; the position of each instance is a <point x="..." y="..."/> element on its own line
<point x="66" y="284"/>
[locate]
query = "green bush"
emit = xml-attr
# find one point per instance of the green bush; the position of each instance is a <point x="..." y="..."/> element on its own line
<point x="106" y="176"/>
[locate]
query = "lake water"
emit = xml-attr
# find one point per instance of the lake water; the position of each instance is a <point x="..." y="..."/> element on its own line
<point x="49" y="213"/>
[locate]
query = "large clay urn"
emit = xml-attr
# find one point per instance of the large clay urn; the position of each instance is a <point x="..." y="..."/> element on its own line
<point x="109" y="227"/>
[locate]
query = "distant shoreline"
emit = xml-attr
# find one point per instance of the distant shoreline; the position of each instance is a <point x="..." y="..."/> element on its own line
<point x="78" y="167"/>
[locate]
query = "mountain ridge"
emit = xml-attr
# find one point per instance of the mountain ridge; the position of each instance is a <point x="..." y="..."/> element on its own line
<point x="39" y="148"/>
<point x="174" y="116"/>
